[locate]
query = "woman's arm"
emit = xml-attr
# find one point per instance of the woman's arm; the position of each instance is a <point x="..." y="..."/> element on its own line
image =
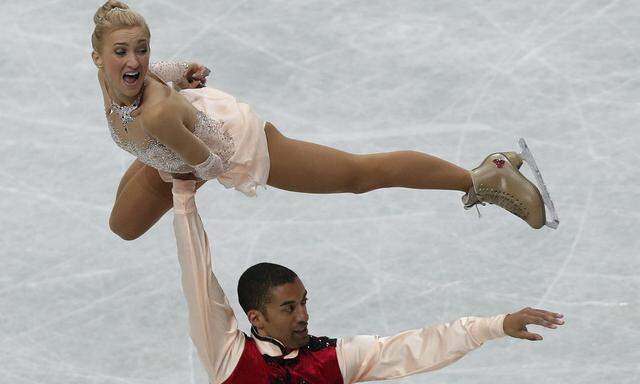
<point x="164" y="124"/>
<point x="181" y="74"/>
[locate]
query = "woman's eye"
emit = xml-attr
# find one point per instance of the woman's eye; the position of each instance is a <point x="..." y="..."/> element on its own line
<point x="143" y="51"/>
<point x="121" y="53"/>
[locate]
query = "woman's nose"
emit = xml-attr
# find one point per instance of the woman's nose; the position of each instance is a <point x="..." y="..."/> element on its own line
<point x="132" y="61"/>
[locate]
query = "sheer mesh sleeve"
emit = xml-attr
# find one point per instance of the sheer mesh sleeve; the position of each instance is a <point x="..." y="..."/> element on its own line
<point x="210" y="168"/>
<point x="170" y="72"/>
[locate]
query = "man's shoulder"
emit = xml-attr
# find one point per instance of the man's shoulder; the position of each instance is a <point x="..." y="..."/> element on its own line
<point x="319" y="343"/>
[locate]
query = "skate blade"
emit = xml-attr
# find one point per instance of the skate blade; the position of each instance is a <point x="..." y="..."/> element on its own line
<point x="527" y="156"/>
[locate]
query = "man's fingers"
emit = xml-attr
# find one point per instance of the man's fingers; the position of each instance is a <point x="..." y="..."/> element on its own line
<point x="185" y="176"/>
<point x="553" y="319"/>
<point x="548" y="318"/>
<point x="547" y="313"/>
<point x="529" y="336"/>
<point x="540" y="320"/>
<point x="525" y="334"/>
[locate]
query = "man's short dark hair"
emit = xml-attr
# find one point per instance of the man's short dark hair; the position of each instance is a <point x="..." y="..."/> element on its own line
<point x="255" y="283"/>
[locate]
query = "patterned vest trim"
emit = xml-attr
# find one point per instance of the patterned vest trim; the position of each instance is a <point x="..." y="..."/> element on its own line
<point x="316" y="363"/>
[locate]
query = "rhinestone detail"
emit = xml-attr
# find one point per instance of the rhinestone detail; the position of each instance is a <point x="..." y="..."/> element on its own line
<point x="124" y="111"/>
<point x="170" y="71"/>
<point x="158" y="156"/>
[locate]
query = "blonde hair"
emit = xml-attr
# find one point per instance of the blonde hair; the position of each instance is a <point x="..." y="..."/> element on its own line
<point x="113" y="15"/>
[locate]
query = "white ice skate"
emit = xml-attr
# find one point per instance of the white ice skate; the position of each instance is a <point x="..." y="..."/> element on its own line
<point x="498" y="181"/>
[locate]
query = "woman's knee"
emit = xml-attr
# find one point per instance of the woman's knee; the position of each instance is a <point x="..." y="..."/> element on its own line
<point x="363" y="175"/>
<point x="122" y="229"/>
<point x="144" y="200"/>
<point x="357" y="176"/>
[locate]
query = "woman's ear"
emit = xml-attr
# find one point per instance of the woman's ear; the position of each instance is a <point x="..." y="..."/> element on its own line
<point x="97" y="60"/>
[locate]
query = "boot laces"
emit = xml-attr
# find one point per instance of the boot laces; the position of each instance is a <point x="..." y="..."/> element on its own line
<point x="504" y="200"/>
<point x="478" y="209"/>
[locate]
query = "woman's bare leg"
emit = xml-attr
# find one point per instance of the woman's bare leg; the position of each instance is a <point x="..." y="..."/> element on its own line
<point x="306" y="167"/>
<point x="132" y="170"/>
<point x="142" y="199"/>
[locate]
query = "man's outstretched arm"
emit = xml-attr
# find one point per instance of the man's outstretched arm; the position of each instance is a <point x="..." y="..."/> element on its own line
<point x="213" y="326"/>
<point x="366" y="358"/>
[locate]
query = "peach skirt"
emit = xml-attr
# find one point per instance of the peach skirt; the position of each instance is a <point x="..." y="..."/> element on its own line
<point x="250" y="162"/>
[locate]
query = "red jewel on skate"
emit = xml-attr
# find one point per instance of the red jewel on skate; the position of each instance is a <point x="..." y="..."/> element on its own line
<point x="499" y="163"/>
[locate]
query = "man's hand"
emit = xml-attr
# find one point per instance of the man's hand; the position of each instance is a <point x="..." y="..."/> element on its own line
<point x="515" y="324"/>
<point x="185" y="176"/>
<point x="196" y="77"/>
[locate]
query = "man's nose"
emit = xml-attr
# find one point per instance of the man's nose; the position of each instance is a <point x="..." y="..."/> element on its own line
<point x="303" y="315"/>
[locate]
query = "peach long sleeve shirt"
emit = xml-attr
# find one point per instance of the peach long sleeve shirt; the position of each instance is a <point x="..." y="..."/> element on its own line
<point x="219" y="343"/>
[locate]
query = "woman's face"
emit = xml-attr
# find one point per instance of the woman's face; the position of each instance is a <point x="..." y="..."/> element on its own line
<point x="125" y="61"/>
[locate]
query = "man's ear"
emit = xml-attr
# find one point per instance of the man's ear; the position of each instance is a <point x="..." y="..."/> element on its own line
<point x="256" y="318"/>
<point x="97" y="60"/>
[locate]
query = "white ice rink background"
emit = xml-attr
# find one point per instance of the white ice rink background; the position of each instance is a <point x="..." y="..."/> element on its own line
<point x="457" y="79"/>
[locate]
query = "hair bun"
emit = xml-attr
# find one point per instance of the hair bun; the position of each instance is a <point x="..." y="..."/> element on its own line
<point x="106" y="8"/>
<point x="113" y="15"/>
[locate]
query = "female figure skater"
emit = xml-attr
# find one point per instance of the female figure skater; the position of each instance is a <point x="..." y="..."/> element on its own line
<point x="192" y="129"/>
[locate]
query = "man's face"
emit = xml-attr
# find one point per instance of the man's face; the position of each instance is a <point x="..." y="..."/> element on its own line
<point x="286" y="316"/>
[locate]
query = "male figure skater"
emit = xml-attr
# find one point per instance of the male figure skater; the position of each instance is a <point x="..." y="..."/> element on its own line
<point x="280" y="350"/>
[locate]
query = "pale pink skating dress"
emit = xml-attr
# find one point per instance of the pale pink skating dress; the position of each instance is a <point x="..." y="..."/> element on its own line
<point x="231" y="130"/>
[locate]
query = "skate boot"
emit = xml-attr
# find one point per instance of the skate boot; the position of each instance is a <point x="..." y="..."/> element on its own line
<point x="498" y="181"/>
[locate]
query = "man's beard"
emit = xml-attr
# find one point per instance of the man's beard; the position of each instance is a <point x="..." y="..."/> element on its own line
<point x="298" y="341"/>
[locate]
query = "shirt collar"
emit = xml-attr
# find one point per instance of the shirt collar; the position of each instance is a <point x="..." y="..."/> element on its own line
<point x="272" y="347"/>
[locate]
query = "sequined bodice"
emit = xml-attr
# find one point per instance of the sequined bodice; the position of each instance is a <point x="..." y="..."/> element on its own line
<point x="158" y="156"/>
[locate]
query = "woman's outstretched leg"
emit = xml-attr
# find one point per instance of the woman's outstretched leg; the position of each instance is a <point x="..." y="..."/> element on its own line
<point x="306" y="167"/>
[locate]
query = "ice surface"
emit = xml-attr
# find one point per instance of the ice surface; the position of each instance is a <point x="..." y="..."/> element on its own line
<point x="454" y="79"/>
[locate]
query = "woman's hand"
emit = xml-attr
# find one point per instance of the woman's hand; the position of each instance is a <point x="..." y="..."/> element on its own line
<point x="196" y="77"/>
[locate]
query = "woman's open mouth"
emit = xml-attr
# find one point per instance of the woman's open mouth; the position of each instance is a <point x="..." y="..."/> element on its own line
<point x="131" y="78"/>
